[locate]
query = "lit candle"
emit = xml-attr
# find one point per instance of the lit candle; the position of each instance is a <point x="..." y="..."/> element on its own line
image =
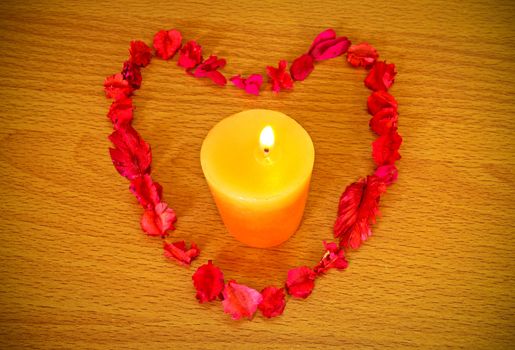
<point x="258" y="166"/>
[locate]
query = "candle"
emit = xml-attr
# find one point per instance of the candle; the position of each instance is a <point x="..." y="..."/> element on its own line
<point x="258" y="166"/>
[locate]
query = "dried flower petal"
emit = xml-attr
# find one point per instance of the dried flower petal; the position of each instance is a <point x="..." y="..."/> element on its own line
<point x="208" y="281"/>
<point x="300" y="282"/>
<point x="146" y="191"/>
<point x="140" y="53"/>
<point x="326" y="45"/>
<point x="179" y="252"/>
<point x="132" y="73"/>
<point x="358" y="208"/>
<point x="116" y="87"/>
<point x="384" y="121"/>
<point x="273" y="302"/>
<point x="362" y="55"/>
<point x="381" y="76"/>
<point x="240" y="300"/>
<point x="379" y="100"/>
<point x="190" y="55"/>
<point x="302" y="67"/>
<point x="279" y="77"/>
<point x="334" y="257"/>
<point x="387" y="174"/>
<point x="326" y="35"/>
<point x="120" y="112"/>
<point x="209" y="69"/>
<point x="158" y="220"/>
<point x="131" y="156"/>
<point x="251" y="85"/>
<point x="385" y="149"/>
<point x="167" y="43"/>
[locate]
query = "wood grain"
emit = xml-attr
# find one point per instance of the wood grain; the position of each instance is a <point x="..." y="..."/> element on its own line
<point x="78" y="273"/>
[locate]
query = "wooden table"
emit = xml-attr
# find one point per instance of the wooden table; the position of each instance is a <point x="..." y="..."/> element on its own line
<point x="77" y="272"/>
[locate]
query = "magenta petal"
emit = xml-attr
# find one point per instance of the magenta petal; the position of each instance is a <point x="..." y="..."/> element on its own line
<point x="238" y="81"/>
<point x="302" y="67"/>
<point x="323" y="36"/>
<point x="330" y="49"/>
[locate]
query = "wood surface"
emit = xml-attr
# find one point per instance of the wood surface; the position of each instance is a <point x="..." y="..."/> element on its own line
<point x="76" y="271"/>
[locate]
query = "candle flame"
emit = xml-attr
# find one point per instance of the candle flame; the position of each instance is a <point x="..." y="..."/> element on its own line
<point x="267" y="138"/>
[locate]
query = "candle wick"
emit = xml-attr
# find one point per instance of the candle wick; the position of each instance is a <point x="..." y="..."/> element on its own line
<point x="267" y="150"/>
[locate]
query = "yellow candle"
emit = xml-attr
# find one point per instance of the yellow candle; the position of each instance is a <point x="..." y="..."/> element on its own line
<point x="258" y="166"/>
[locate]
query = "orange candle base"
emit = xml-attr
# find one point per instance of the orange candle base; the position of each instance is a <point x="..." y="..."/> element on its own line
<point x="260" y="190"/>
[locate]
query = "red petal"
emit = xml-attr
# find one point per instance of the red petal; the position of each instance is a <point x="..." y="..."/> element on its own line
<point x="381" y="76"/>
<point x="208" y="281"/>
<point x="385" y="149"/>
<point x="362" y="55"/>
<point x="120" y="112"/>
<point x="146" y="191"/>
<point x="157" y="221"/>
<point x="131" y="155"/>
<point x="279" y="77"/>
<point x="209" y="68"/>
<point x="190" y="55"/>
<point x="379" y="100"/>
<point x="132" y="73"/>
<point x="300" y="282"/>
<point x="177" y="251"/>
<point x="217" y="78"/>
<point x="273" y="302"/>
<point x="240" y="300"/>
<point x="302" y="67"/>
<point x="326" y="45"/>
<point x="358" y="208"/>
<point x="116" y="87"/>
<point x="167" y="43"/>
<point x="251" y="85"/>
<point x="334" y="257"/>
<point x="387" y="174"/>
<point x="384" y="121"/>
<point x="140" y="53"/>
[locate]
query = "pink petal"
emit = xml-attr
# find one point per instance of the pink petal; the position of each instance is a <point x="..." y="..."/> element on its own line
<point x="240" y="300"/>
<point x="238" y="81"/>
<point x="251" y="85"/>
